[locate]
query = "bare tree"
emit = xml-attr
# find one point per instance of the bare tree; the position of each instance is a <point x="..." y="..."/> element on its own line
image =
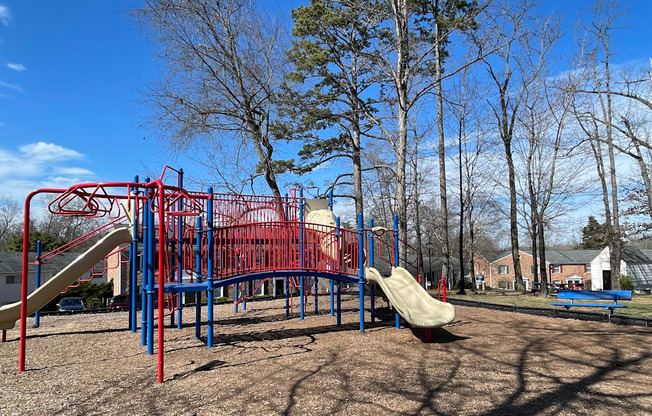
<point x="512" y="70"/>
<point x="596" y="119"/>
<point x="9" y="218"/>
<point x="225" y="61"/>
<point x="414" y="48"/>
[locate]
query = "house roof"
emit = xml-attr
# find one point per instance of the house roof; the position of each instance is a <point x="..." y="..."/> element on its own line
<point x="571" y="256"/>
<point x="12" y="262"/>
<point x="634" y="255"/>
<point x="552" y="256"/>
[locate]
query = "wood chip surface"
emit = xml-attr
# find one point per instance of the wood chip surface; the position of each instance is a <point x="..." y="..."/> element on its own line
<point x="485" y="363"/>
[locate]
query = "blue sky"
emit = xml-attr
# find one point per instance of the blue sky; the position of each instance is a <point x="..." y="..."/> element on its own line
<point x="71" y="75"/>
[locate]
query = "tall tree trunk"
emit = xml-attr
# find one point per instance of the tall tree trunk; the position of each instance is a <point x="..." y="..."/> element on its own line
<point x="441" y="149"/>
<point x="533" y="207"/>
<point x="461" y="251"/>
<point x="357" y="167"/>
<point x="513" y="223"/>
<point x="402" y="57"/>
<point x="615" y="243"/>
<point x="543" y="268"/>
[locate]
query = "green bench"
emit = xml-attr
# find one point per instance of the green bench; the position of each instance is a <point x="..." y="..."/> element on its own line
<point x="593" y="295"/>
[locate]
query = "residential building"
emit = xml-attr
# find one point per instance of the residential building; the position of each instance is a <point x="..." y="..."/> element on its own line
<point x="11" y="266"/>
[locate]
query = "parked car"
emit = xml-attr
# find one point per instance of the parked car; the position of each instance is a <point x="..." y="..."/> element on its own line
<point x="71" y="304"/>
<point x="119" y="301"/>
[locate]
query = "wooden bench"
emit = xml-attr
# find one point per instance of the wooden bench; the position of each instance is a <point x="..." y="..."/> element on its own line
<point x="596" y="295"/>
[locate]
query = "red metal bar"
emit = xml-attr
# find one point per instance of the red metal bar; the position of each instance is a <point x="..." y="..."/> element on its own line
<point x="161" y="277"/>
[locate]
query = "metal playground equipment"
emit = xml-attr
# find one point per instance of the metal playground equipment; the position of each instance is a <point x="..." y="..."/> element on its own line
<point x="181" y="241"/>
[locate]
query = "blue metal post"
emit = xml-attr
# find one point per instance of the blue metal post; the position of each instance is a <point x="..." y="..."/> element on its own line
<point x="209" y="273"/>
<point x="396" y="261"/>
<point x="236" y="295"/>
<point x="150" y="278"/>
<point x="361" y="267"/>
<point x="372" y="287"/>
<point x="133" y="261"/>
<point x="316" y="295"/>
<point x="287" y="296"/>
<point x="37" y="315"/>
<point x="199" y="277"/>
<point x="339" y="269"/>
<point x="301" y="253"/>
<point x="143" y="284"/>
<point x="180" y="255"/>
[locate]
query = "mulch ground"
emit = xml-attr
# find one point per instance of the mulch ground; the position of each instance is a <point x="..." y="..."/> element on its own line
<point x="485" y="363"/>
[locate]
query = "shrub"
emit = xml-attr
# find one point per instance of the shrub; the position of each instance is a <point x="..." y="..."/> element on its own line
<point x="626" y="282"/>
<point x="94" y="303"/>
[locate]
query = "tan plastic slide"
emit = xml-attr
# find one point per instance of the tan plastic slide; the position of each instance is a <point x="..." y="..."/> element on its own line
<point x="9" y="314"/>
<point x="410" y="300"/>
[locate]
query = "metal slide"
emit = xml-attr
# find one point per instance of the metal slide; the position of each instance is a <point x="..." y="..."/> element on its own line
<point x="9" y="314"/>
<point x="410" y="300"/>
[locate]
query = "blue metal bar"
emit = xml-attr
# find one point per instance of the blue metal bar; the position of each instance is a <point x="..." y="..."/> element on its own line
<point x="361" y="267"/>
<point x="198" y="276"/>
<point x="339" y="303"/>
<point x="143" y="289"/>
<point x="301" y="255"/>
<point x="287" y="296"/>
<point x="37" y="315"/>
<point x="236" y="295"/>
<point x="396" y="256"/>
<point x="180" y="254"/>
<point x="150" y="278"/>
<point x="316" y="295"/>
<point x="209" y="273"/>
<point x="372" y="287"/>
<point x="330" y="200"/>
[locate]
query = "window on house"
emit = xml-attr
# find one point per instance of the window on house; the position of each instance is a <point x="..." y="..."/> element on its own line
<point x="13" y="280"/>
<point x="503" y="284"/>
<point x="503" y="269"/>
<point x="587" y="268"/>
<point x="557" y="268"/>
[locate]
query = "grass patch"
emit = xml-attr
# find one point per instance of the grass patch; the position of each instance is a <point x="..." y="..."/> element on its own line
<point x="639" y="306"/>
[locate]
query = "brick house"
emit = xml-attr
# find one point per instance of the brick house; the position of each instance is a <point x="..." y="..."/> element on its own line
<point x="565" y="267"/>
<point x="570" y="267"/>
<point x="11" y="266"/>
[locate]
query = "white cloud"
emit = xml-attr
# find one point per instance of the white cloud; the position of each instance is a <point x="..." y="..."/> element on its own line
<point x="16" y="67"/>
<point x="39" y="165"/>
<point x="14" y="87"/>
<point x="73" y="171"/>
<point x="5" y="15"/>
<point x="42" y="151"/>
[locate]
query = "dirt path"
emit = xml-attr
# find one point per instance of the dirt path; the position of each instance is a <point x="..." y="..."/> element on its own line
<point x="486" y="363"/>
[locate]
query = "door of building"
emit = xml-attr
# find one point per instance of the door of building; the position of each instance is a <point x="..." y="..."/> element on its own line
<point x="606" y="280"/>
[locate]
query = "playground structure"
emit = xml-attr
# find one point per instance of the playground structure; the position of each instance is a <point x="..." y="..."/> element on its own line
<point x="181" y="241"/>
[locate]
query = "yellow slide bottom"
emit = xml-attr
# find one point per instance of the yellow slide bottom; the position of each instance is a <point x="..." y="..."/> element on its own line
<point x="410" y="300"/>
<point x="9" y="314"/>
